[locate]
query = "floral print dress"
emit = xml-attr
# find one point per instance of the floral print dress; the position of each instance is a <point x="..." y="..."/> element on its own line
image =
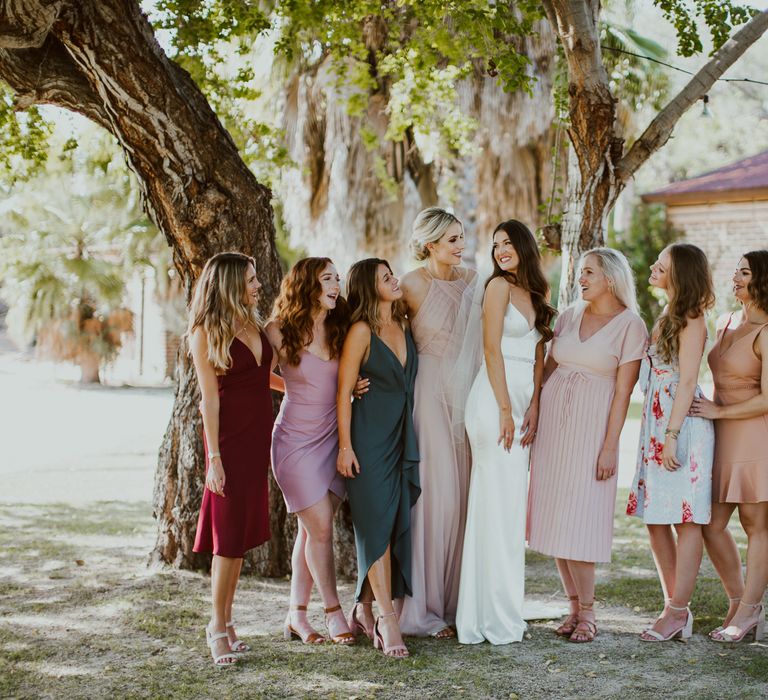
<point x="658" y="496"/>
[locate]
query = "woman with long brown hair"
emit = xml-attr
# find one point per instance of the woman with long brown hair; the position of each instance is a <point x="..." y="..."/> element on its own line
<point x="308" y="327"/>
<point x="501" y="417"/>
<point x="378" y="453"/>
<point x="233" y="361"/>
<point x="739" y="364"/>
<point x="592" y="365"/>
<point x="672" y="489"/>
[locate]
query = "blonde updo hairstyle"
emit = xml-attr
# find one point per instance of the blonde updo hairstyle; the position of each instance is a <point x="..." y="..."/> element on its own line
<point x="220" y="305"/>
<point x="430" y="226"/>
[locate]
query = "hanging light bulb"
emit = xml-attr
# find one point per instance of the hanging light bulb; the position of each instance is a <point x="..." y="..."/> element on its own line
<point x="705" y="113"/>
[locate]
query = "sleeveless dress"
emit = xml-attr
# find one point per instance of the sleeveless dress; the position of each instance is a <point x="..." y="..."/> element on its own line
<point x="493" y="563"/>
<point x="231" y="525"/>
<point x="570" y="512"/>
<point x="384" y="441"/>
<point x="437" y="519"/>
<point x="658" y="496"/>
<point x="305" y="441"/>
<point x="740" y="470"/>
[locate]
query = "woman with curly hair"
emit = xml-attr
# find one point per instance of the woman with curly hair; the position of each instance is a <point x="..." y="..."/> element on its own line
<point x="307" y="329"/>
<point x="672" y="488"/>
<point x="592" y="365"/>
<point x="233" y="361"/>
<point x="739" y="363"/>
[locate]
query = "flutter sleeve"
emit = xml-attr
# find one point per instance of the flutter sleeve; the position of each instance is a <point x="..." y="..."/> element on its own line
<point x="635" y="340"/>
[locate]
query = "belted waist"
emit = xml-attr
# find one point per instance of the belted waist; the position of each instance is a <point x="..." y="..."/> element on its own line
<point x="519" y="358"/>
<point x="583" y="372"/>
<point x="730" y="387"/>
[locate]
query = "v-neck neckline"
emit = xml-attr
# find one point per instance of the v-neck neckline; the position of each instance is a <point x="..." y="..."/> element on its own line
<point x="523" y="316"/>
<point x="403" y="365"/>
<point x="245" y="345"/>
<point x="720" y="352"/>
<point x="608" y="323"/>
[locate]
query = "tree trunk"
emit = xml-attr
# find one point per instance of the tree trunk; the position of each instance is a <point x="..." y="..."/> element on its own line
<point x="100" y="58"/>
<point x="598" y="168"/>
<point x="587" y="205"/>
<point x="89" y="368"/>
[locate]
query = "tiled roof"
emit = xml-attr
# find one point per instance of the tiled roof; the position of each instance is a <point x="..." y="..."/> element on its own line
<point x="742" y="179"/>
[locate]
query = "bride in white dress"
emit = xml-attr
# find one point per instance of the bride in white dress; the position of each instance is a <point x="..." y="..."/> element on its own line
<point x="501" y="416"/>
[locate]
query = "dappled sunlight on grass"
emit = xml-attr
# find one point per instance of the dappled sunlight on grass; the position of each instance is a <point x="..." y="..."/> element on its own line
<point x="82" y="617"/>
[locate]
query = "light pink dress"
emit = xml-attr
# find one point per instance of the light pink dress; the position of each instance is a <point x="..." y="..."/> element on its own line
<point x="570" y="512"/>
<point x="437" y="519"/>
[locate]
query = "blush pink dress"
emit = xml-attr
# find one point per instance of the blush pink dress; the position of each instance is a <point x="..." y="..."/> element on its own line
<point x="740" y="470"/>
<point x="305" y="441"/>
<point x="437" y="519"/>
<point x="570" y="512"/>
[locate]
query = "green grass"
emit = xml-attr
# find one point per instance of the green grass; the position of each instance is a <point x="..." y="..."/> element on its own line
<point x="111" y="628"/>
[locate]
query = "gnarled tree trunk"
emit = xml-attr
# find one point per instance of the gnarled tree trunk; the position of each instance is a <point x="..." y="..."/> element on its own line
<point x="101" y="58"/>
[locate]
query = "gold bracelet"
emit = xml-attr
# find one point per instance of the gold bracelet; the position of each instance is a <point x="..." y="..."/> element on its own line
<point x="672" y="433"/>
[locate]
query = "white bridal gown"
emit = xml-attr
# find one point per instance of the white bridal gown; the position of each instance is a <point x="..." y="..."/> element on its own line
<point x="493" y="562"/>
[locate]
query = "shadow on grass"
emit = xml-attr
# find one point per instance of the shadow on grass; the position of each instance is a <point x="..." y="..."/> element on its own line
<point x="82" y="617"/>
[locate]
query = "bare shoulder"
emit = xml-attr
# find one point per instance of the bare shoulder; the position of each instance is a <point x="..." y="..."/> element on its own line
<point x="272" y="329"/>
<point x="359" y="332"/>
<point x="695" y="328"/>
<point x="498" y="287"/>
<point x="198" y="342"/>
<point x="413" y="282"/>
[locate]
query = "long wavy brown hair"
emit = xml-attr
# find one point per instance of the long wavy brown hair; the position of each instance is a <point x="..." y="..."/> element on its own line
<point x="528" y="275"/>
<point x="298" y="301"/>
<point x="690" y="292"/>
<point x="758" y="285"/>
<point x="363" y="295"/>
<point x="220" y="305"/>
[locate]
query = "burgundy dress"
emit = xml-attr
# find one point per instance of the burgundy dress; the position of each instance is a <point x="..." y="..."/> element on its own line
<point x="231" y="525"/>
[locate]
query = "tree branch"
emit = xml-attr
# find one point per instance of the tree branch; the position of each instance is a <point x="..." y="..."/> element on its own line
<point x="48" y="75"/>
<point x="26" y="23"/>
<point x="660" y="129"/>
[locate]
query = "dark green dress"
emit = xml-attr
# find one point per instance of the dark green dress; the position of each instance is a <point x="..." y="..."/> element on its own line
<point x="384" y="441"/>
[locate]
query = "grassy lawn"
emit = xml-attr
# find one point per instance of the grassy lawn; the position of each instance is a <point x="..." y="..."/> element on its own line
<point x="82" y="617"/>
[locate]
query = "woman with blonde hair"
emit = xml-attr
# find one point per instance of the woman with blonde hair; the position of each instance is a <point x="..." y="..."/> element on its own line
<point x="308" y="327"/>
<point x="433" y="296"/>
<point x="672" y="489"/>
<point x="233" y="361"/>
<point x="592" y="365"/>
<point x="378" y="453"/>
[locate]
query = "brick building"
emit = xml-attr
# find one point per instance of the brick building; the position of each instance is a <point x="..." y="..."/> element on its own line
<point x="724" y="212"/>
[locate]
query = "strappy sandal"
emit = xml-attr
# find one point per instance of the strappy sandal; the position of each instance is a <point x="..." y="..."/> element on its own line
<point x="289" y="632"/>
<point x="684" y="631"/>
<point x="355" y="625"/>
<point x="446" y="633"/>
<point x="720" y="628"/>
<point x="571" y="621"/>
<point x="586" y="630"/>
<point x="378" y="641"/>
<point x="222" y="660"/>
<point x="345" y="638"/>
<point x="758" y="627"/>
<point x="238" y="646"/>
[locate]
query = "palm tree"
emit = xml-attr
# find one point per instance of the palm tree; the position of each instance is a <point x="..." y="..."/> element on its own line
<point x="62" y="270"/>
